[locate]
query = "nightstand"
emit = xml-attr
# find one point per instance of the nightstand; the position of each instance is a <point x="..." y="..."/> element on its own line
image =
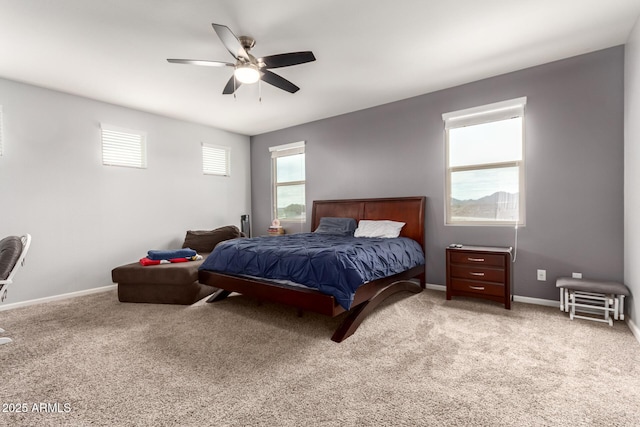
<point x="480" y="272"/>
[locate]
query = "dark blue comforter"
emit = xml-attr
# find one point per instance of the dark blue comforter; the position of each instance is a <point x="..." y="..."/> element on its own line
<point x="334" y="265"/>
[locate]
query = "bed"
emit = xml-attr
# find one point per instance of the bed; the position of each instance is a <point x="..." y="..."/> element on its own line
<point x="410" y="210"/>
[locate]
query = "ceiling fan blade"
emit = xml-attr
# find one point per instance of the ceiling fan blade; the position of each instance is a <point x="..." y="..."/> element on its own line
<point x="287" y="59"/>
<point x="201" y="62"/>
<point x="279" y="82"/>
<point x="231" y="86"/>
<point x="231" y="42"/>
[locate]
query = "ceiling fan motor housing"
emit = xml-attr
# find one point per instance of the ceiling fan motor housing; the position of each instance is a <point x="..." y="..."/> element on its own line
<point x="247" y="42"/>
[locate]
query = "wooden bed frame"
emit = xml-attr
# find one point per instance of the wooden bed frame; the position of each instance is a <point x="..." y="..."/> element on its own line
<point x="410" y="210"/>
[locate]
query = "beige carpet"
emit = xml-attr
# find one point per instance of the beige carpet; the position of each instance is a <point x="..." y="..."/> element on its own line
<point x="418" y="361"/>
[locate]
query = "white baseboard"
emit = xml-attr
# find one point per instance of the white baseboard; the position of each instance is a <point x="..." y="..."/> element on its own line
<point x="537" y="301"/>
<point x="634" y="328"/>
<point x="57" y="297"/>
<point x="436" y="287"/>
<point x="516" y="298"/>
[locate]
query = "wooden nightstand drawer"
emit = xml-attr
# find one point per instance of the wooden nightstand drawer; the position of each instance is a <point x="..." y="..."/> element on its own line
<point x="478" y="273"/>
<point x="477" y="259"/>
<point x="482" y="288"/>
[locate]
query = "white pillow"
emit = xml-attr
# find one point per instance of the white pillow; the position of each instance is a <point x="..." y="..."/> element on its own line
<point x="384" y="228"/>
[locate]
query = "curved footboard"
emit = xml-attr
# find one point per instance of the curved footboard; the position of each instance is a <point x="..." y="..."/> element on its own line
<point x="366" y="298"/>
<point x="360" y="312"/>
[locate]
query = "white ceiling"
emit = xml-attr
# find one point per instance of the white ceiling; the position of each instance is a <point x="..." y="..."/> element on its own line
<point x="368" y="52"/>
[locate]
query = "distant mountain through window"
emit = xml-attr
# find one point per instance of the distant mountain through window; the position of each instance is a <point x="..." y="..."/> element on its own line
<point x="497" y="206"/>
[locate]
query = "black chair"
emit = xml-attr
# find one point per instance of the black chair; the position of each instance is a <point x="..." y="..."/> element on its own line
<point x="13" y="250"/>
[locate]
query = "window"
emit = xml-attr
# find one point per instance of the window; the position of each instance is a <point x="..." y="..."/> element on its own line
<point x="1" y="139"/>
<point x="288" y="182"/>
<point x="123" y="147"/>
<point x="485" y="164"/>
<point x="216" y="160"/>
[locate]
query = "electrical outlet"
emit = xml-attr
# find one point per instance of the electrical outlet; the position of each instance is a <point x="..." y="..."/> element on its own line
<point x="576" y="275"/>
<point x="542" y="275"/>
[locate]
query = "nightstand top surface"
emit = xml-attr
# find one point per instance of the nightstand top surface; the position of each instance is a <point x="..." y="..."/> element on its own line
<point x="499" y="249"/>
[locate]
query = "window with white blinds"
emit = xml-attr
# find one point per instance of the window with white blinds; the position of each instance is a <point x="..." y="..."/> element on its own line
<point x="1" y="133"/>
<point x="216" y="160"/>
<point x="123" y="147"/>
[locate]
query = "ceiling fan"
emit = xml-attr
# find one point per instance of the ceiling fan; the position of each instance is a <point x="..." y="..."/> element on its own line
<point x="248" y="69"/>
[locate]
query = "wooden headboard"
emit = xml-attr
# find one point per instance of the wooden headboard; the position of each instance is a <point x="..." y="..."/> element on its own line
<point x="410" y="210"/>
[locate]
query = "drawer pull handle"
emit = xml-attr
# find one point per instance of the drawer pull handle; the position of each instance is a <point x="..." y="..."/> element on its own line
<point x="477" y="288"/>
<point x="476" y="259"/>
<point x="476" y="274"/>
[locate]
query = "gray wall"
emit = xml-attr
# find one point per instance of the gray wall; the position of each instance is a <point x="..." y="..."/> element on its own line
<point x="632" y="173"/>
<point x="574" y="171"/>
<point x="86" y="218"/>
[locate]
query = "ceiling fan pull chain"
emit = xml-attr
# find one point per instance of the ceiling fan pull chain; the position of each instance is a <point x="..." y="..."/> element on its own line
<point x="260" y="91"/>
<point x="234" y="87"/>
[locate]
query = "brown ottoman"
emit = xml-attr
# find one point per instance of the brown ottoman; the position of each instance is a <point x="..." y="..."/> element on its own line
<point x="160" y="284"/>
<point x="175" y="283"/>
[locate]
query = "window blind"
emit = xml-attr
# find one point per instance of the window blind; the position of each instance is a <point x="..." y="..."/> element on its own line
<point x="123" y="147"/>
<point x="287" y="149"/>
<point x="216" y="160"/>
<point x="486" y="113"/>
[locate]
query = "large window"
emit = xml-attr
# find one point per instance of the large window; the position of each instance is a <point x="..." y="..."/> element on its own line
<point x="288" y="182"/>
<point x="485" y="164"/>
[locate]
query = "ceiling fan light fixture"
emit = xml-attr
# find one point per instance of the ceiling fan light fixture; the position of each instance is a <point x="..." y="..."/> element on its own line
<point x="247" y="73"/>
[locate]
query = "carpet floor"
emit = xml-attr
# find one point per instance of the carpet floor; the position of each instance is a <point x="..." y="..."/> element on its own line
<point x="418" y="360"/>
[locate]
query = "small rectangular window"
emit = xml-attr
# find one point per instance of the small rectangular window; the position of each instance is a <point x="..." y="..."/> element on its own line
<point x="485" y="164"/>
<point x="123" y="147"/>
<point x="216" y="160"/>
<point x="288" y="172"/>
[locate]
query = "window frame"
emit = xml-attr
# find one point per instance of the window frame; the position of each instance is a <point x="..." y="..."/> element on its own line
<point x="227" y="159"/>
<point x="285" y="150"/>
<point x="489" y="113"/>
<point x="142" y="136"/>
